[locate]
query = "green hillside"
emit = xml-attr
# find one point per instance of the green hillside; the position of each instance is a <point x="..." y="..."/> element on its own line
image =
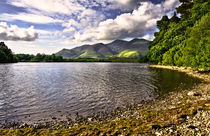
<point x="135" y="48"/>
<point x="89" y="54"/>
<point x="184" y="41"/>
<point x="128" y="54"/>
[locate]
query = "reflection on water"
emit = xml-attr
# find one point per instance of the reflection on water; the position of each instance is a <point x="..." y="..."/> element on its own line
<point x="170" y="80"/>
<point x="36" y="91"/>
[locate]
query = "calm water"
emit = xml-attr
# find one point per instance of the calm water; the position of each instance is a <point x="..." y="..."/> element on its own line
<point x="39" y="91"/>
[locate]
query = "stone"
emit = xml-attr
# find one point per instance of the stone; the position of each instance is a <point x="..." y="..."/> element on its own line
<point x="140" y="105"/>
<point x="192" y="127"/>
<point x="190" y="93"/>
<point x="156" y="127"/>
<point x="184" y="117"/>
<point x="197" y="94"/>
<point x="158" y="133"/>
<point x="89" y="119"/>
<point x="23" y="125"/>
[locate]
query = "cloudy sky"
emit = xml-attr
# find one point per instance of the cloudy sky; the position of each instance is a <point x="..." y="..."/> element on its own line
<point x="47" y="26"/>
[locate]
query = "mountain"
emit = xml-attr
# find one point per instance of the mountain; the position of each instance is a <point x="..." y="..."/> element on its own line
<point x="135" y="48"/>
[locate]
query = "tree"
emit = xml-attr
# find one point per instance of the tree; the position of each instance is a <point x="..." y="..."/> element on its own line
<point x="184" y="8"/>
<point x="175" y="18"/>
<point x="185" y="41"/>
<point x="6" y="55"/>
<point x="163" y="23"/>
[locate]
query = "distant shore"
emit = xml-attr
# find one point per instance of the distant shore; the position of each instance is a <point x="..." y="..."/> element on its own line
<point x="185" y="112"/>
<point x="109" y="60"/>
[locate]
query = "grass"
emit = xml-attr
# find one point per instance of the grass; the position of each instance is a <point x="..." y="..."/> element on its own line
<point x="128" y="54"/>
<point x="89" y="54"/>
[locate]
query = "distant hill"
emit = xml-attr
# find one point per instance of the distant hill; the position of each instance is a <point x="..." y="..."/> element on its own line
<point x="135" y="48"/>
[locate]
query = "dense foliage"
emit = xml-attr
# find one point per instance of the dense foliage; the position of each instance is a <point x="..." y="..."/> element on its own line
<point x="123" y="60"/>
<point x="183" y="41"/>
<point x="6" y="55"/>
<point x="39" y="58"/>
<point x="53" y="58"/>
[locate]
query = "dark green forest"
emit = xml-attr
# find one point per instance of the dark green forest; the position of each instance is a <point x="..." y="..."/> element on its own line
<point x="6" y="55"/>
<point x="53" y="58"/>
<point x="39" y="58"/>
<point x="183" y="41"/>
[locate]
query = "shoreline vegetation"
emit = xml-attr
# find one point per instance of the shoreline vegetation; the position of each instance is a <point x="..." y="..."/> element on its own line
<point x="185" y="112"/>
<point x="53" y="58"/>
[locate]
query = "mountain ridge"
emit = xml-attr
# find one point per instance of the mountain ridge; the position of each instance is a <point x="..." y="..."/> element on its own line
<point x="135" y="48"/>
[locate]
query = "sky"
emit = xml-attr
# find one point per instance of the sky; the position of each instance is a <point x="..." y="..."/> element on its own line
<point x="47" y="26"/>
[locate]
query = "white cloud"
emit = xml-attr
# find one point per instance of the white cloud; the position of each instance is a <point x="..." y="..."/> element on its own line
<point x="88" y="18"/>
<point x="139" y="23"/>
<point x="69" y="30"/>
<point x="32" y="18"/>
<point x="49" y="6"/>
<point x="70" y="23"/>
<point x="125" y="4"/>
<point x="14" y="33"/>
<point x="87" y="12"/>
<point x="43" y="32"/>
<point x="170" y="4"/>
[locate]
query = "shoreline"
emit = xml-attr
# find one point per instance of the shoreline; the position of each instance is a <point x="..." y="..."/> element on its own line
<point x="185" y="113"/>
<point x="190" y="71"/>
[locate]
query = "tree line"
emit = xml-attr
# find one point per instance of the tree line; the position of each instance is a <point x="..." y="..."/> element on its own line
<point x="183" y="41"/>
<point x="53" y="58"/>
<point x="6" y="55"/>
<point x="38" y="58"/>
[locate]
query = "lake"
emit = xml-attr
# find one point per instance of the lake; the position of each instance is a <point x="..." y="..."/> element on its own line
<point x="35" y="92"/>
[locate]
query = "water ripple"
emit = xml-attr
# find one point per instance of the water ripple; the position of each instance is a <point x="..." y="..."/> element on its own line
<point x="37" y="91"/>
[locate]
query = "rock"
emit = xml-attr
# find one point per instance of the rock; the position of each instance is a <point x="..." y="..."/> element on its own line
<point x="184" y="117"/>
<point x="158" y="133"/>
<point x="140" y="105"/>
<point x="197" y="94"/>
<point x="89" y="119"/>
<point x="171" y="107"/>
<point x="195" y="112"/>
<point x="207" y="105"/>
<point x="192" y="127"/>
<point x="190" y="93"/>
<point x="23" y="125"/>
<point x="156" y="127"/>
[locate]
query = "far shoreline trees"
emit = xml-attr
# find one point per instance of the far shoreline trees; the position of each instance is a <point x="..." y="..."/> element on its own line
<point x="53" y="58"/>
<point x="6" y="55"/>
<point x="39" y="58"/>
